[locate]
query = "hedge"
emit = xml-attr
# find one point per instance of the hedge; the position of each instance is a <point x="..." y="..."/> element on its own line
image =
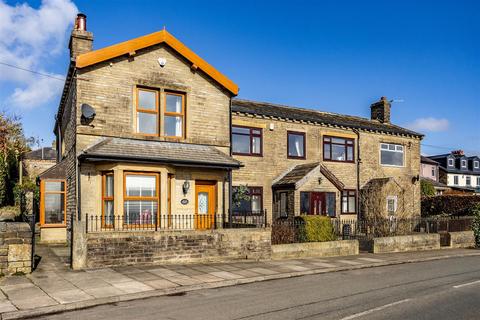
<point x="316" y="229"/>
<point x="452" y="205"/>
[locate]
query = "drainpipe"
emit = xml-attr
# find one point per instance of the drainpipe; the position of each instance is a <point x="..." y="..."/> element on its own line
<point x="230" y="190"/>
<point x="359" y="161"/>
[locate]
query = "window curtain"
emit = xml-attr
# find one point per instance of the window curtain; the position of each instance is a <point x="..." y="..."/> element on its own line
<point x="297" y="147"/>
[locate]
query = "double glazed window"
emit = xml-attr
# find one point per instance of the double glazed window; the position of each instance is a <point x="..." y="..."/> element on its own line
<point x="149" y="117"/>
<point x="468" y="181"/>
<point x="391" y="205"/>
<point x="391" y="154"/>
<point x="107" y="199"/>
<point x="247" y="141"/>
<point x="296" y="145"/>
<point x="348" y="201"/>
<point x="140" y="198"/>
<point x="463" y="163"/>
<point x="476" y="164"/>
<point x="254" y="203"/>
<point x="53" y="203"/>
<point x="338" y="149"/>
<point x="450" y="162"/>
<point x="455" y="180"/>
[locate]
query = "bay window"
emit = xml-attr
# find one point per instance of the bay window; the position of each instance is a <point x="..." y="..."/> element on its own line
<point x="141" y="198"/>
<point x="296" y="145"/>
<point x="338" y="149"/>
<point x="246" y="141"/>
<point x="391" y="155"/>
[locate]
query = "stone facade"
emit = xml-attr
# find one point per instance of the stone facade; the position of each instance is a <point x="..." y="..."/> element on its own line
<point x="315" y="249"/>
<point x="263" y="171"/>
<point x="15" y="247"/>
<point x="148" y="248"/>
<point x="418" y="242"/>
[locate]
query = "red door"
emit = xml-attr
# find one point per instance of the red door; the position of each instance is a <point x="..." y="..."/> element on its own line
<point x="317" y="203"/>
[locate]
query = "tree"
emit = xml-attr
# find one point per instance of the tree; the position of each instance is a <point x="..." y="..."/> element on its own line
<point x="13" y="145"/>
<point x="427" y="188"/>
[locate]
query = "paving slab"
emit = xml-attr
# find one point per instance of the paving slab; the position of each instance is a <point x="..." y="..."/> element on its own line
<point x="226" y="275"/>
<point x="132" y="286"/>
<point x="161" y="284"/>
<point x="103" y="292"/>
<point x="67" y="296"/>
<point x="27" y="296"/>
<point x="6" y="306"/>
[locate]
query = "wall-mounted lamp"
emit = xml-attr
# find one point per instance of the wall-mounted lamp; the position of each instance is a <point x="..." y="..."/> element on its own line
<point x="186" y="187"/>
<point x="320" y="180"/>
<point x="415" y="179"/>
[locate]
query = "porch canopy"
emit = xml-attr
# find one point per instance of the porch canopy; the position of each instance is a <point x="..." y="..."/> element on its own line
<point x="296" y="176"/>
<point x="174" y="153"/>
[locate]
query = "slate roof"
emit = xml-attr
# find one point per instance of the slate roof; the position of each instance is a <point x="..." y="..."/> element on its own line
<point x="48" y="154"/>
<point x="309" y="115"/>
<point x="58" y="171"/>
<point x="300" y="171"/>
<point x="141" y="151"/>
<point x="428" y="161"/>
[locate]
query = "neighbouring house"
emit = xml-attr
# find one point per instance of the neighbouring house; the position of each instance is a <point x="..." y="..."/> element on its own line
<point x="37" y="161"/>
<point x="459" y="172"/>
<point x="429" y="172"/>
<point x="150" y="138"/>
<point x="301" y="161"/>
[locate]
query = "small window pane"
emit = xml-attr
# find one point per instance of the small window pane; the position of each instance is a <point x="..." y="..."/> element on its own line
<point x="108" y="212"/>
<point x="326" y="151"/>
<point x="173" y="126"/>
<point x="140" y="212"/>
<point x="202" y="202"/>
<point x="147" y="123"/>
<point x="349" y="153"/>
<point x="241" y="144"/>
<point x="109" y="185"/>
<point x="256" y="203"/>
<point x="240" y="130"/>
<point x="174" y="103"/>
<point x="54" y="186"/>
<point x="283" y="204"/>
<point x="147" y="100"/>
<point x="338" y="152"/>
<point x="384" y="146"/>
<point x="255" y="131"/>
<point x="338" y="140"/>
<point x="330" y="204"/>
<point x="351" y="204"/>
<point x="256" y="145"/>
<point x="54" y="208"/>
<point x="304" y="203"/>
<point x="296" y="145"/>
<point x="141" y="186"/>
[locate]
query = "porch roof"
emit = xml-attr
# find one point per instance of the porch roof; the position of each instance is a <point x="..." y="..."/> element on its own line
<point x="295" y="176"/>
<point x="58" y="171"/>
<point x="174" y="153"/>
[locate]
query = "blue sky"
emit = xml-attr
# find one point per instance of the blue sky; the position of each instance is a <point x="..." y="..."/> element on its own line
<point x="336" y="56"/>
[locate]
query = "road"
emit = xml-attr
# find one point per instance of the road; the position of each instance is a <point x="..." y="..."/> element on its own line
<point x="442" y="289"/>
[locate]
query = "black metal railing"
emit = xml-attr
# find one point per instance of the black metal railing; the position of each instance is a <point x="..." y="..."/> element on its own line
<point x="288" y="230"/>
<point x="148" y="222"/>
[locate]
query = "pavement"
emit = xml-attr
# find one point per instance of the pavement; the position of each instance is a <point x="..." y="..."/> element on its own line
<point x="54" y="288"/>
<point x="433" y="290"/>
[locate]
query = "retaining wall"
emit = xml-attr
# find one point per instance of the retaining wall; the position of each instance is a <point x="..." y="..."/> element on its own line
<point x="315" y="249"/>
<point x="15" y="247"/>
<point x="418" y="242"/>
<point x="463" y="239"/>
<point x="190" y="246"/>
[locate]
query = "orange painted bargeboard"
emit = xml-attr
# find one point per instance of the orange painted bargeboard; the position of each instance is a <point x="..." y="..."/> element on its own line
<point x="93" y="57"/>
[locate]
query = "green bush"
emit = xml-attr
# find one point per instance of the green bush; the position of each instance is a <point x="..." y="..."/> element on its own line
<point x="427" y="188"/>
<point x="450" y="205"/>
<point x="316" y="229"/>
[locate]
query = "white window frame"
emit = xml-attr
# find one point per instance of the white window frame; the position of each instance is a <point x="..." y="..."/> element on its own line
<point x="458" y="180"/>
<point x="478" y="181"/>
<point x="434" y="172"/>
<point x="476" y="164"/>
<point x="468" y="181"/>
<point x="395" y="205"/>
<point x="451" y="163"/>
<point x="396" y="150"/>
<point x="463" y="163"/>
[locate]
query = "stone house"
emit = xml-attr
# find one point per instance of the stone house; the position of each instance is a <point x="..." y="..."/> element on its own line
<point x="311" y="162"/>
<point x="150" y="137"/>
<point x="430" y="172"/>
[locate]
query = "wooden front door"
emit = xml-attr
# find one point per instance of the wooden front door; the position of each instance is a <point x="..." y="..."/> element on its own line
<point x="317" y="203"/>
<point x="205" y="201"/>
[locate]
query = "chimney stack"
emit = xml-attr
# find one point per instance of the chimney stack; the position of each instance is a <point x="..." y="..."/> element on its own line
<point x="81" y="41"/>
<point x="380" y="110"/>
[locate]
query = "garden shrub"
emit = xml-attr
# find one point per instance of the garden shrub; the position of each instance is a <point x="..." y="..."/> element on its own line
<point x="476" y="224"/>
<point x="316" y="229"/>
<point x="451" y="205"/>
<point x="427" y="188"/>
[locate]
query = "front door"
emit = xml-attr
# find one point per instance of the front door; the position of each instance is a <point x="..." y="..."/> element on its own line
<point x="205" y="204"/>
<point x="317" y="203"/>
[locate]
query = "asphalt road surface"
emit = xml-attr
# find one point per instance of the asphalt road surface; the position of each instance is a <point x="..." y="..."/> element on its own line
<point x="442" y="289"/>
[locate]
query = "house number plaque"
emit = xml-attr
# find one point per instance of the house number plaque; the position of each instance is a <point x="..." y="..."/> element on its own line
<point x="184" y="201"/>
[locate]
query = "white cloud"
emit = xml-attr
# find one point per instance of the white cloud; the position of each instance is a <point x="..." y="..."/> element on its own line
<point x="28" y="38"/>
<point x="429" y="124"/>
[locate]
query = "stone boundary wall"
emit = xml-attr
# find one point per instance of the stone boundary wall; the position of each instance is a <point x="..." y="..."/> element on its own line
<point x="15" y="247"/>
<point x="189" y="246"/>
<point x="315" y="249"/>
<point x="463" y="239"/>
<point x="417" y="242"/>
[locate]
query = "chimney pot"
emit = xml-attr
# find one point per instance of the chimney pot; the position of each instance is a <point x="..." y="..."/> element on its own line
<point x="81" y="22"/>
